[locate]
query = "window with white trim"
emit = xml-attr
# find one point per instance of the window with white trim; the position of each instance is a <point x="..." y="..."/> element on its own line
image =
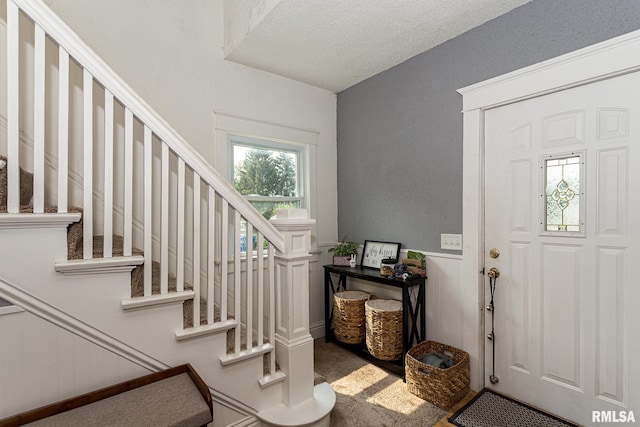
<point x="269" y="174"/>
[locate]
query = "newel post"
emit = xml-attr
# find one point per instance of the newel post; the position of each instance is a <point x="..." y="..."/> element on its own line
<point x="294" y="344"/>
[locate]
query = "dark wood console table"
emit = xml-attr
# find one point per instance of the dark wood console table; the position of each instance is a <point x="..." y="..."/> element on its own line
<point x="413" y="312"/>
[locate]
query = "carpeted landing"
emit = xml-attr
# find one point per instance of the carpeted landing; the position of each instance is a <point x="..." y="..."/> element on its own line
<point x="368" y="396"/>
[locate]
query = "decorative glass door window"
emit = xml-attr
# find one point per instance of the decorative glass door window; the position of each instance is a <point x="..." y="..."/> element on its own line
<point x="563" y="197"/>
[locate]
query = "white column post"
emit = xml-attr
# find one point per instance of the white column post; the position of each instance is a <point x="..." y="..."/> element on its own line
<point x="294" y="344"/>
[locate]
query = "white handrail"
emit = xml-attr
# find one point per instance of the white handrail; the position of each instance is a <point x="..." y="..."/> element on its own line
<point x="60" y="32"/>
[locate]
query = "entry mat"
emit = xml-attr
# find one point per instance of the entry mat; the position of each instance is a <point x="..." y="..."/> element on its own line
<point x="489" y="409"/>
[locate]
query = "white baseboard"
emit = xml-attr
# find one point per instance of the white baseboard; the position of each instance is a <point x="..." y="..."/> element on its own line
<point x="317" y="329"/>
<point x="248" y="421"/>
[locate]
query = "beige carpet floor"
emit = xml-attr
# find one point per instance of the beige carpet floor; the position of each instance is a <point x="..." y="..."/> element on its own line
<point x="369" y="396"/>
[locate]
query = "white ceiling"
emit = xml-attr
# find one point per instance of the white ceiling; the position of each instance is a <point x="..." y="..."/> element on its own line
<point x="334" y="44"/>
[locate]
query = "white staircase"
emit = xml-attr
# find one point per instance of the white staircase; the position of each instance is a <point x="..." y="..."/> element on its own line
<point x="241" y="319"/>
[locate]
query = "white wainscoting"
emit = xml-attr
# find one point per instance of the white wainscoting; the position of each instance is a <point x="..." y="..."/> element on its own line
<point x="444" y="299"/>
<point x="316" y="289"/>
<point x="41" y="363"/>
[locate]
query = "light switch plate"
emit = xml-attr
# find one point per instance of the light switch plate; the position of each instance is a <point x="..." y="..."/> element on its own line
<point x="452" y="242"/>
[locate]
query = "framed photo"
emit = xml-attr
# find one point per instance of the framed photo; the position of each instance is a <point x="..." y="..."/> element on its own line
<point x="373" y="252"/>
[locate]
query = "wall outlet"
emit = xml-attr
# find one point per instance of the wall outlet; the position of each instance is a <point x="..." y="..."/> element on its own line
<point x="452" y="242"/>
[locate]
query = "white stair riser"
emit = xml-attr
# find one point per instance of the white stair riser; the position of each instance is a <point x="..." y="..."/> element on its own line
<point x="27" y="258"/>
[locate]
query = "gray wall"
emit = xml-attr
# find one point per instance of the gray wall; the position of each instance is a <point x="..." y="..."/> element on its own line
<point x="400" y="132"/>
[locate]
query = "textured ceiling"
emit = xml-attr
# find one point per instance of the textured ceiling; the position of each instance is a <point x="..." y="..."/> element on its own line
<point x="334" y="44"/>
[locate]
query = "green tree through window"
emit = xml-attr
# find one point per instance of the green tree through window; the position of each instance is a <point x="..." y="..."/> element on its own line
<point x="263" y="174"/>
<point x="268" y="178"/>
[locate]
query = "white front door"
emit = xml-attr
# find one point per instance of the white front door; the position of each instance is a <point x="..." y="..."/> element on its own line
<point x="562" y="207"/>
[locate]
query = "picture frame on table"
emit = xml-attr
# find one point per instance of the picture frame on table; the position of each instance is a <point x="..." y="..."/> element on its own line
<point x="373" y="252"/>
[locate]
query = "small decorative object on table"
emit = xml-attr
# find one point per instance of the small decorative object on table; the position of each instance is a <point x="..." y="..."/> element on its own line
<point x="352" y="261"/>
<point x="343" y="252"/>
<point x="416" y="263"/>
<point x="401" y="272"/>
<point x="387" y="266"/>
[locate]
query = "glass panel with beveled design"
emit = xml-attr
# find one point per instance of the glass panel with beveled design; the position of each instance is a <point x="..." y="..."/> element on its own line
<point x="562" y="194"/>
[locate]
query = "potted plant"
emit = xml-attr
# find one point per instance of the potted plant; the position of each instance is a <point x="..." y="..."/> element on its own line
<point x="344" y="252"/>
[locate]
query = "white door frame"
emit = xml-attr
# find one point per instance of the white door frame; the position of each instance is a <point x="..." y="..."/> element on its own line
<point x="620" y="55"/>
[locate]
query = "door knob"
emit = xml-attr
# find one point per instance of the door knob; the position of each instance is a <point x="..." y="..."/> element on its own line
<point x="494" y="273"/>
<point x="494" y="253"/>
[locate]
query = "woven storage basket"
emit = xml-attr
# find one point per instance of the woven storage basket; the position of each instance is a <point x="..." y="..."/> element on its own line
<point x="384" y="328"/>
<point x="348" y="316"/>
<point x="442" y="387"/>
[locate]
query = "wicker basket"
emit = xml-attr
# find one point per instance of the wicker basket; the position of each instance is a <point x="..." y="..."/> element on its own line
<point x="348" y="316"/>
<point x="442" y="387"/>
<point x="384" y="328"/>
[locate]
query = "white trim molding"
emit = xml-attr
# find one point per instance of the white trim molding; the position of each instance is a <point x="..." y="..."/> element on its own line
<point x="98" y="265"/>
<point x="31" y="220"/>
<point x="226" y="124"/>
<point x="618" y="56"/>
<point x="15" y="295"/>
<point x="11" y="309"/>
<point x="607" y="59"/>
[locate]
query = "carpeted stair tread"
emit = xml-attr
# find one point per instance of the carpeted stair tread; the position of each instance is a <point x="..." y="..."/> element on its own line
<point x="75" y="247"/>
<point x="26" y="185"/>
<point x="26" y="193"/>
<point x="188" y="323"/>
<point x="72" y="231"/>
<point x="98" y="247"/>
<point x="75" y="250"/>
<point x="187" y="320"/>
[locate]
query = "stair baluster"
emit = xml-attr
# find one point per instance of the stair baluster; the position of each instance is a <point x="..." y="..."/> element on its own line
<point x="38" y="120"/>
<point x="108" y="174"/>
<point x="196" y="251"/>
<point x="13" y="108"/>
<point x="211" y="252"/>
<point x="87" y="154"/>
<point x="63" y="129"/>
<point x="127" y="228"/>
